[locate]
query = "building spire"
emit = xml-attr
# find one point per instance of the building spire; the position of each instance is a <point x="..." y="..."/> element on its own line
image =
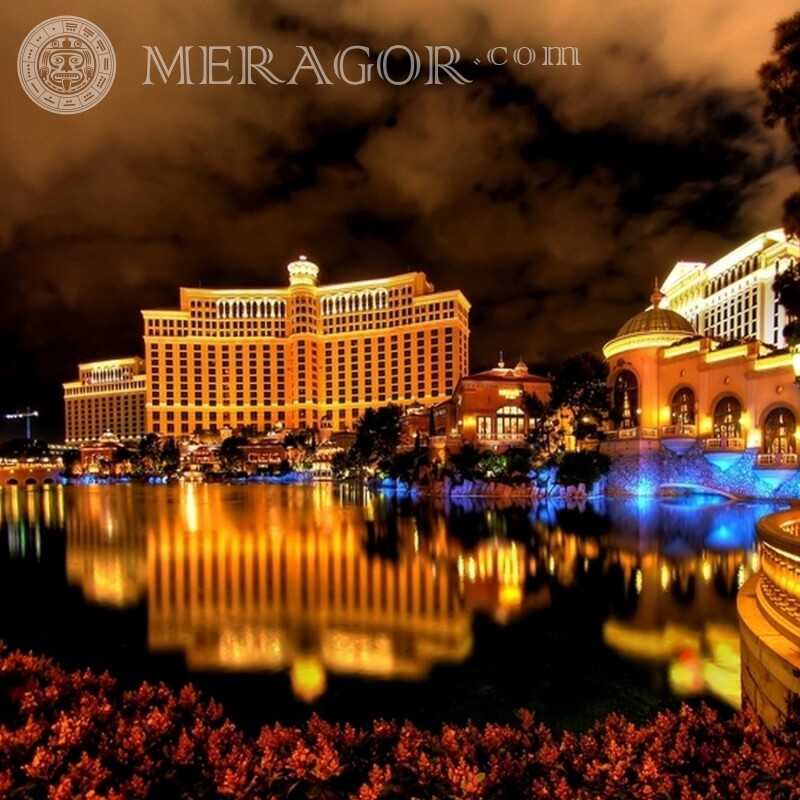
<point x="501" y="363"/>
<point x="657" y="295"/>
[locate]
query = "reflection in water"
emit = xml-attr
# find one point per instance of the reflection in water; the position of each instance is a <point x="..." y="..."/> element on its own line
<point x="24" y="514"/>
<point x="676" y="568"/>
<point x="313" y="581"/>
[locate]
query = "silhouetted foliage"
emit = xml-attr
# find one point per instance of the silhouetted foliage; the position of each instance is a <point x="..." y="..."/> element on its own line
<point x="378" y="434"/>
<point x="583" y="466"/>
<point x="406" y="466"/>
<point x="544" y="434"/>
<point x="787" y="290"/>
<point x="231" y="455"/>
<point x="24" y="448"/>
<point x="156" y="455"/>
<point x="71" y="459"/>
<point x="78" y="735"/>
<point x="780" y="83"/>
<point x="581" y="385"/>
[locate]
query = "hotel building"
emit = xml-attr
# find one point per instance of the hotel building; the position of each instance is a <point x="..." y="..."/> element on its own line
<point x="293" y="357"/>
<point x="727" y="410"/>
<point x="488" y="409"/>
<point x="108" y="396"/>
<point x="732" y="298"/>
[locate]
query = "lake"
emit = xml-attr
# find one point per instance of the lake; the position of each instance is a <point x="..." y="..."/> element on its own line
<point x="285" y="600"/>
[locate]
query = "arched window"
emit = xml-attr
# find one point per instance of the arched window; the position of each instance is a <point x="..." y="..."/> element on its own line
<point x="728" y="418"/>
<point x="779" y="430"/>
<point x="626" y="399"/>
<point x="510" y="421"/>
<point x="682" y="410"/>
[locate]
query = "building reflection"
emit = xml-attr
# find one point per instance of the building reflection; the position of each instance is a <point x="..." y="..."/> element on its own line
<point x="298" y="588"/>
<point x="106" y="554"/>
<point x="312" y="584"/>
<point x="674" y="586"/>
<point x="25" y="513"/>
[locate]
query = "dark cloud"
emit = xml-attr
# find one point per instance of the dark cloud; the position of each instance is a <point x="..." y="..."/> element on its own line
<point x="550" y="196"/>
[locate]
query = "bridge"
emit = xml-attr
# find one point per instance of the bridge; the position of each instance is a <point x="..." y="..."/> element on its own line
<point x="40" y="473"/>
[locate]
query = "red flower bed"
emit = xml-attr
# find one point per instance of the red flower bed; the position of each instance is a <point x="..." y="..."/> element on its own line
<point x="76" y="735"/>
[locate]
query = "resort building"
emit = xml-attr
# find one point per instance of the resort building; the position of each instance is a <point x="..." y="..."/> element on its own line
<point x="487" y="409"/>
<point x="109" y="396"/>
<point x="717" y="414"/>
<point x="732" y="298"/>
<point x="303" y="356"/>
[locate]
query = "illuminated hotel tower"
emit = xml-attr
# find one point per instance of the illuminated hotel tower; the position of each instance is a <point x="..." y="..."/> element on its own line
<point x="732" y="297"/>
<point x="108" y="396"/>
<point x="293" y="356"/>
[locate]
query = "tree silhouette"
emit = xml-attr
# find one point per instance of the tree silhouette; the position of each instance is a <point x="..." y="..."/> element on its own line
<point x="780" y="83"/>
<point x="787" y="290"/>
<point x="378" y="433"/>
<point x="581" y="385"/>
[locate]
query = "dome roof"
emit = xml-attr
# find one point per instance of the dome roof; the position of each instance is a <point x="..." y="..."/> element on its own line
<point x="657" y="320"/>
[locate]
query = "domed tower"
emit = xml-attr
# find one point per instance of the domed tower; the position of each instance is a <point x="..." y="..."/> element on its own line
<point x="632" y="357"/>
<point x="654" y="327"/>
<point x="304" y="358"/>
<point x="303" y="272"/>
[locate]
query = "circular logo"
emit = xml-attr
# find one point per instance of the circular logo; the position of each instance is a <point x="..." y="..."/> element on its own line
<point x="66" y="65"/>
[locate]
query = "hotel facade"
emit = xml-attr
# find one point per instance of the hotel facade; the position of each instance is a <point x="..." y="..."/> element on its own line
<point x="108" y="396"/>
<point x="291" y="357"/>
<point x="692" y="409"/>
<point x="732" y="297"/>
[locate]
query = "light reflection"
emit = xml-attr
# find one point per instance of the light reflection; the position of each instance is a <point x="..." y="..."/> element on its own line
<point x="315" y="582"/>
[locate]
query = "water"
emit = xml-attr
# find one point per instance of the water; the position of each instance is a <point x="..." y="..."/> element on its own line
<point x="283" y="600"/>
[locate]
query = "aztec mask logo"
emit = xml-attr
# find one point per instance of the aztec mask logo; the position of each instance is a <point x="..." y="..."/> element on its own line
<point x="66" y="65"/>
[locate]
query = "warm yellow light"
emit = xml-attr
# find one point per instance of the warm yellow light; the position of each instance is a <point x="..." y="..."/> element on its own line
<point x="664" y="575"/>
<point x="308" y="678"/>
<point x="754" y="439"/>
<point x="706" y="424"/>
<point x="666" y="414"/>
<point x="510" y="595"/>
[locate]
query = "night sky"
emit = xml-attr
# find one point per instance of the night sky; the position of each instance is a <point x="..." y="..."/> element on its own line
<point x="551" y="196"/>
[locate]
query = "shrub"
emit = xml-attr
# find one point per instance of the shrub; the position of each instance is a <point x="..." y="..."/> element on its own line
<point x="583" y="466"/>
<point x="67" y="735"/>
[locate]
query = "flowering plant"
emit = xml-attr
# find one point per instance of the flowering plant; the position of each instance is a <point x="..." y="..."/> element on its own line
<point x="77" y="735"/>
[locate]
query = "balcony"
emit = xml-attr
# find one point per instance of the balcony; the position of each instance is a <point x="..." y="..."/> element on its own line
<point x="725" y="444"/>
<point x="776" y="468"/>
<point x="678" y="438"/>
<point x="669" y="431"/>
<point x="500" y="441"/>
<point x="777" y="460"/>
<point x="723" y="452"/>
<point x="631" y="433"/>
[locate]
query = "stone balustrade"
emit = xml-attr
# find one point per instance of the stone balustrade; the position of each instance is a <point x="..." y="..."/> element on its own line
<point x="769" y="619"/>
